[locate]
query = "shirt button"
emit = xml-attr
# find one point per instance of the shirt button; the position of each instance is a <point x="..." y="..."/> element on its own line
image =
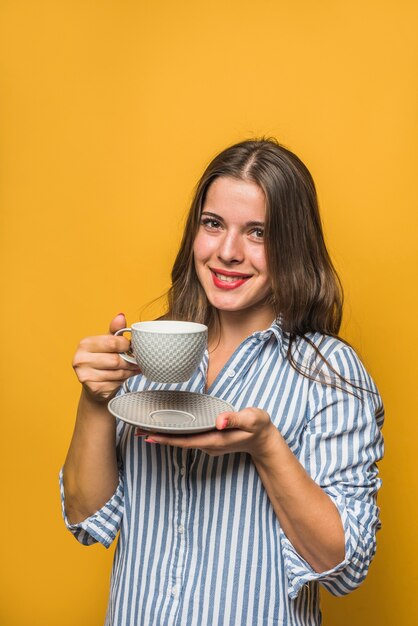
<point x="180" y="529"/>
<point x="231" y="373"/>
<point x="174" y="591"/>
<point x="182" y="471"/>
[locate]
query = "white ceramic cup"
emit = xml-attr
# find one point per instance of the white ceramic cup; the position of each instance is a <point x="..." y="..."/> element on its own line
<point x="166" y="351"/>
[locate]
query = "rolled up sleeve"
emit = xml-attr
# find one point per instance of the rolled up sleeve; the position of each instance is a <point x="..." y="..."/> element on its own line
<point x="341" y="445"/>
<point x="101" y="527"/>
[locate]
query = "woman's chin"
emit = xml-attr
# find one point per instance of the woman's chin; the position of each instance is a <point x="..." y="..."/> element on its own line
<point x="225" y="303"/>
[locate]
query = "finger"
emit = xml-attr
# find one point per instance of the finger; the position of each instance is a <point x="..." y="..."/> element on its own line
<point x="250" y="420"/>
<point x="104" y="343"/>
<point x="103" y="376"/>
<point x="142" y="433"/>
<point x="211" y="439"/>
<point x="118" y="322"/>
<point x="226" y="420"/>
<point x="177" y="441"/>
<point x="103" y="361"/>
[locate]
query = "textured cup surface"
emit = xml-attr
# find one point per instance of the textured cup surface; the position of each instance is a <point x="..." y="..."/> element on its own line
<point x="168" y="351"/>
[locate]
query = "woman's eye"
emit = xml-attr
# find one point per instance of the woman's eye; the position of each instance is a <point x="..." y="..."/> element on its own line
<point x="210" y="223"/>
<point x="258" y="233"/>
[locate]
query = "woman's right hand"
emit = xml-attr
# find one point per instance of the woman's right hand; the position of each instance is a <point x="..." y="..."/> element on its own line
<point x="98" y="365"/>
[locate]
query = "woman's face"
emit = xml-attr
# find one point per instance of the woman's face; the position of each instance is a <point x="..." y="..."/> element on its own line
<point x="229" y="252"/>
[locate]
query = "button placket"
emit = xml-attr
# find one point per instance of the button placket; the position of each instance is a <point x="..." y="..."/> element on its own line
<point x="179" y="514"/>
<point x="239" y="367"/>
<point x="181" y="518"/>
<point x="251" y="362"/>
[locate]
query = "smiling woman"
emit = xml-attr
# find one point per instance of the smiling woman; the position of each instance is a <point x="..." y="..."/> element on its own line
<point x="278" y="194"/>
<point x="229" y="252"/>
<point x="241" y="524"/>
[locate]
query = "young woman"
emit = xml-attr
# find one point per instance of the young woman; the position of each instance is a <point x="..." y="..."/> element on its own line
<point x="240" y="525"/>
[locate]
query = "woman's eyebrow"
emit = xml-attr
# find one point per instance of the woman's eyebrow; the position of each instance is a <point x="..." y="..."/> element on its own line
<point x="211" y="214"/>
<point x="221" y="219"/>
<point x="261" y="224"/>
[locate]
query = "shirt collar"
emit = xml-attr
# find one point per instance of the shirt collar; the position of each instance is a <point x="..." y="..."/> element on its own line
<point x="275" y="330"/>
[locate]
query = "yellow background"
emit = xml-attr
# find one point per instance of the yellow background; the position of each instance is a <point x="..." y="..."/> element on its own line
<point x="109" y="112"/>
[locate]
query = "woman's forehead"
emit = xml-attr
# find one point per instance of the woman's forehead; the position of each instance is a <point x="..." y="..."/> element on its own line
<point x="227" y="196"/>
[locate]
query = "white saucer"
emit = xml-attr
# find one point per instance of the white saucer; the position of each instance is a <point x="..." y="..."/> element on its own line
<point x="169" y="411"/>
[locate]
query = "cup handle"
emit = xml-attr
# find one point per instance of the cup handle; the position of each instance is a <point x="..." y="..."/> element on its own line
<point x="124" y="355"/>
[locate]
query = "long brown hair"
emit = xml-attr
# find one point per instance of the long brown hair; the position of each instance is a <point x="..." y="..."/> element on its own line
<point x="305" y="289"/>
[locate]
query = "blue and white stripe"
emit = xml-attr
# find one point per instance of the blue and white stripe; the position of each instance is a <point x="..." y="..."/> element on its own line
<point x="199" y="541"/>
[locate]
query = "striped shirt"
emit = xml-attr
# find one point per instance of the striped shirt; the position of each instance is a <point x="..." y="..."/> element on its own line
<point x="199" y="541"/>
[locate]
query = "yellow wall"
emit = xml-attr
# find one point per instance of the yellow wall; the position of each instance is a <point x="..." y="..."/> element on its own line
<point x="109" y="111"/>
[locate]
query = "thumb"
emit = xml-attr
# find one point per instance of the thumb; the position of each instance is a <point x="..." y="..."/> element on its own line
<point x="117" y="323"/>
<point x="226" y="420"/>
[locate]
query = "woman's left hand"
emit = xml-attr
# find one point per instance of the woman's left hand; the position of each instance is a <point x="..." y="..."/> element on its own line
<point x="249" y="430"/>
<point x="307" y="515"/>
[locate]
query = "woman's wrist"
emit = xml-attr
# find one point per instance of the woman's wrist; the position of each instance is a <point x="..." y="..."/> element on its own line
<point x="91" y="408"/>
<point x="94" y="400"/>
<point x="268" y="446"/>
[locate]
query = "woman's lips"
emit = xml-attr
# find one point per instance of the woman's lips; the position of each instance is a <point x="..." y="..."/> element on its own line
<point x="228" y="280"/>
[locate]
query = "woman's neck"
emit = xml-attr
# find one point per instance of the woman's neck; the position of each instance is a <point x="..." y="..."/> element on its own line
<point x="235" y="326"/>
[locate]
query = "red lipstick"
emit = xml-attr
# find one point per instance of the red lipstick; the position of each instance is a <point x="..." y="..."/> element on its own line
<point x="232" y="280"/>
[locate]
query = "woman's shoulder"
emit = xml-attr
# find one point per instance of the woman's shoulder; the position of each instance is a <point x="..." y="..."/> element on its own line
<point x="316" y="344"/>
<point x="312" y="342"/>
<point x="333" y="358"/>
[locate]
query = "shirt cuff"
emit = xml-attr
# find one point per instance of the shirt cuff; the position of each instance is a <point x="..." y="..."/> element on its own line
<point x="299" y="572"/>
<point x="101" y="527"/>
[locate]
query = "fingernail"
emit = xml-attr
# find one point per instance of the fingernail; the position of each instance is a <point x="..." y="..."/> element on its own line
<point x="224" y="423"/>
<point x="149" y="440"/>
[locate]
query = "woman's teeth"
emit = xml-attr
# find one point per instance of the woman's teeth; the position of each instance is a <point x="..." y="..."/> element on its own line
<point x="229" y="279"/>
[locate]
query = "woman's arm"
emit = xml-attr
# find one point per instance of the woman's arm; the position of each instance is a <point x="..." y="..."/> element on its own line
<point x="325" y="498"/>
<point x="306" y="513"/>
<point x="90" y="471"/>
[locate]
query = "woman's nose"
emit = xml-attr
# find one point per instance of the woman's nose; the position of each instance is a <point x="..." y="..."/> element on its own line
<point x="231" y="249"/>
